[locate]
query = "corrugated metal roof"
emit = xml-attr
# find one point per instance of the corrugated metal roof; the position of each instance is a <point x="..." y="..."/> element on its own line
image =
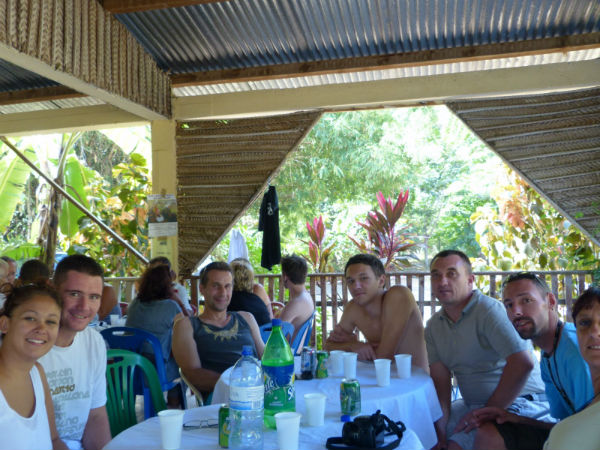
<point x="375" y="75"/>
<point x="241" y="33"/>
<point x="14" y="78"/>
<point x="553" y="140"/>
<point x="50" y="104"/>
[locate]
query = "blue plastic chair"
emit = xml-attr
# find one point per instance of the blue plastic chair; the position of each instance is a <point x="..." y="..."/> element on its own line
<point x="303" y="336"/>
<point x="286" y="327"/>
<point x="137" y="340"/>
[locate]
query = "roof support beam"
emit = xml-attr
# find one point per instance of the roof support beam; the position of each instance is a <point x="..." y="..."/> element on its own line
<point x="128" y="6"/>
<point x="79" y="45"/>
<point x="397" y="92"/>
<point x="67" y="120"/>
<point x="393" y="61"/>
<point x="38" y="95"/>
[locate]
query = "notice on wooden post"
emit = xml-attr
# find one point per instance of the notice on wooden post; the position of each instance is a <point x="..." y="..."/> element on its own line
<point x="162" y="215"/>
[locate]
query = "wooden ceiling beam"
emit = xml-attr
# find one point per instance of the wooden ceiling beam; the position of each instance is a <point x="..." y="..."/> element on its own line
<point x="84" y="48"/>
<point x="67" y="120"/>
<point x="399" y="60"/>
<point x="411" y="91"/>
<point x="129" y="6"/>
<point x="38" y="95"/>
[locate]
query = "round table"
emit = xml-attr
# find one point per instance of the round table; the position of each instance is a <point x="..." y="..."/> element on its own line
<point x="146" y="435"/>
<point x="412" y="400"/>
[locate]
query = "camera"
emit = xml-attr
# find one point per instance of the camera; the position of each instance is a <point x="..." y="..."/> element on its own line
<point x="364" y="431"/>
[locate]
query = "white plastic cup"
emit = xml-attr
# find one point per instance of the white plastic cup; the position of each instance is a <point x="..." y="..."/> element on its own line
<point x="382" y="371"/>
<point x="171" y="424"/>
<point x="315" y="409"/>
<point x="350" y="365"/>
<point x="336" y="363"/>
<point x="403" y="364"/>
<point x="288" y="430"/>
<point x="114" y="319"/>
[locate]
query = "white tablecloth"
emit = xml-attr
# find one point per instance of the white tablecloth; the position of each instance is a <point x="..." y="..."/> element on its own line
<point x="413" y="400"/>
<point x="146" y="435"/>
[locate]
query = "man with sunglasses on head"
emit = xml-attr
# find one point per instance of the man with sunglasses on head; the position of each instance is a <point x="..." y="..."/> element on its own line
<point x="531" y="308"/>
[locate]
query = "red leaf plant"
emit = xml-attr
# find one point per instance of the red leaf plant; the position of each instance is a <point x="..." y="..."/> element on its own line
<point x="318" y="253"/>
<point x="385" y="239"/>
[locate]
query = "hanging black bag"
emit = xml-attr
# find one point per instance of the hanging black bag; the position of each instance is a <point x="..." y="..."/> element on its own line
<point x="368" y="433"/>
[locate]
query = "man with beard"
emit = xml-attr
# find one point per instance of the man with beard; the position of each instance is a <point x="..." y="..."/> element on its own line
<point x="206" y="345"/>
<point x="531" y="307"/>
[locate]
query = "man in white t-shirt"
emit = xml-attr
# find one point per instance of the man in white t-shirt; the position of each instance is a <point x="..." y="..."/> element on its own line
<point x="76" y="365"/>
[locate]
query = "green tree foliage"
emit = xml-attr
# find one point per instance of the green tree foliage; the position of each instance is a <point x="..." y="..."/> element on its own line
<point x="113" y="188"/>
<point x="526" y="232"/>
<point x="348" y="157"/>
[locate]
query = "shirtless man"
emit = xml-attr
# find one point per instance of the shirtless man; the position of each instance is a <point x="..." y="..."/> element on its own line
<point x="390" y="320"/>
<point x="300" y="307"/>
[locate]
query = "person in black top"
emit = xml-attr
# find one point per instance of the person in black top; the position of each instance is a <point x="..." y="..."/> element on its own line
<point x="243" y="298"/>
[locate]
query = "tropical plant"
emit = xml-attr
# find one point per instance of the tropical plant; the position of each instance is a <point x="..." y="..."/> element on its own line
<point x="527" y="233"/>
<point x="318" y="253"/>
<point x="383" y="238"/>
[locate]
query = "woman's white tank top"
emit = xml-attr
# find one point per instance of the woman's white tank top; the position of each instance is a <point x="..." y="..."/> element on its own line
<point x="26" y="433"/>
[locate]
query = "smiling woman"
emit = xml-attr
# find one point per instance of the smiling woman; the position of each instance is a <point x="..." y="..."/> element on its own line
<point x="29" y="323"/>
<point x="581" y="429"/>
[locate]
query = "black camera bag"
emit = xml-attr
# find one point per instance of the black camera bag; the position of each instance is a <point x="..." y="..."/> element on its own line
<point x="367" y="433"/>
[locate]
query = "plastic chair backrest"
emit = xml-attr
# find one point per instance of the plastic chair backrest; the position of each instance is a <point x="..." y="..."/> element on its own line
<point x="286" y="327"/>
<point x="133" y="339"/>
<point x="303" y="336"/>
<point x="196" y="392"/>
<point x="140" y="341"/>
<point x="122" y="369"/>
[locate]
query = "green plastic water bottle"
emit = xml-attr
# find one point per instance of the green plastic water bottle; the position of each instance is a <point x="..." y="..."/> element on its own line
<point x="278" y="370"/>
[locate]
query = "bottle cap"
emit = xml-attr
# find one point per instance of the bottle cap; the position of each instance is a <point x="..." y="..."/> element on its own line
<point x="247" y="350"/>
<point x="276" y="322"/>
<point x="346" y="418"/>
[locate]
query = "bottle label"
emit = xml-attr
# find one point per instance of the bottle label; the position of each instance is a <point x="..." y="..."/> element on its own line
<point x="280" y="392"/>
<point x="246" y="398"/>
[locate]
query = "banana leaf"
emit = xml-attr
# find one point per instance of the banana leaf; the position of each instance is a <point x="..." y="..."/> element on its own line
<point x="76" y="179"/>
<point x="13" y="175"/>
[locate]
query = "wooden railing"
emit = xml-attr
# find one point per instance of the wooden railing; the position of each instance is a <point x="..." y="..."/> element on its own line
<point x="330" y="294"/>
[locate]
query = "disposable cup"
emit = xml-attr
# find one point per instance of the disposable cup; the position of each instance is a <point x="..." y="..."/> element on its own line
<point x="315" y="409"/>
<point x="171" y="424"/>
<point x="382" y="371"/>
<point x="114" y="319"/>
<point x="288" y="430"/>
<point x="350" y="365"/>
<point x="403" y="363"/>
<point x="336" y="363"/>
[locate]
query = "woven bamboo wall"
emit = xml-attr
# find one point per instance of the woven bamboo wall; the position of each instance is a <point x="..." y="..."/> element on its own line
<point x="79" y="38"/>
<point x="222" y="167"/>
<point x="553" y="141"/>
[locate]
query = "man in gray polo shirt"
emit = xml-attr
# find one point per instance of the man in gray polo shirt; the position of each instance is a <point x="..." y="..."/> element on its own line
<point x="472" y="339"/>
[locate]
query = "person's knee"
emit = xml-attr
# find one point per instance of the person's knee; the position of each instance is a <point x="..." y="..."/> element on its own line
<point x="488" y="438"/>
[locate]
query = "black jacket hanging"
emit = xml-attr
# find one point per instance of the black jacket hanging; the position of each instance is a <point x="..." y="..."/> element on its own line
<point x="268" y="223"/>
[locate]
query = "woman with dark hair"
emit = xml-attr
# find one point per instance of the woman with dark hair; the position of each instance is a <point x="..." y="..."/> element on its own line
<point x="581" y="430"/>
<point x="243" y="297"/>
<point x="29" y="322"/>
<point x="153" y="310"/>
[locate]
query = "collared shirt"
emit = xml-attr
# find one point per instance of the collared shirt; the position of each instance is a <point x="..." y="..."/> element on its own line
<point x="475" y="347"/>
<point x="567" y="371"/>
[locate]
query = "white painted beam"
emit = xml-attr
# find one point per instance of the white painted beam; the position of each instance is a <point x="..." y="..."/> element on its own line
<point x="397" y="92"/>
<point x="67" y="120"/>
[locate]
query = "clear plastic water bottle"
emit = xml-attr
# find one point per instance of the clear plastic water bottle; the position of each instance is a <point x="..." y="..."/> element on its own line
<point x="278" y="367"/>
<point x="246" y="401"/>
